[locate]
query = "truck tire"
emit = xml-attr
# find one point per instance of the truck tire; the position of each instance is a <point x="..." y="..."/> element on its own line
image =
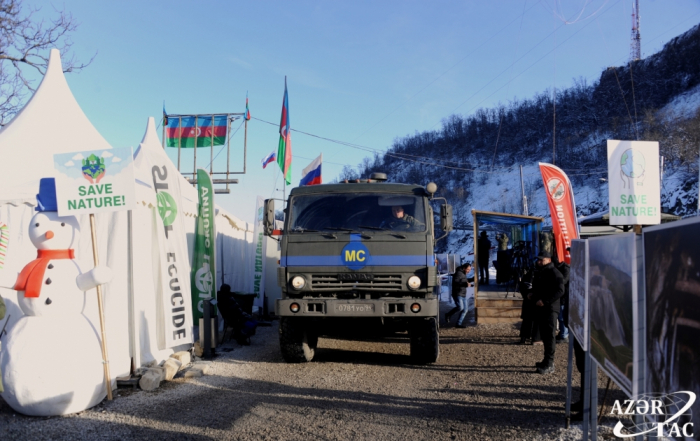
<point x="425" y="341"/>
<point x="297" y="344"/>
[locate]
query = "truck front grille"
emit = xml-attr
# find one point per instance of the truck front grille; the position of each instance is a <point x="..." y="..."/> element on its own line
<point x="381" y="282"/>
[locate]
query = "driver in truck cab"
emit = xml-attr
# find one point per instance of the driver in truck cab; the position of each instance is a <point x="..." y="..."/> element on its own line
<point x="399" y="220"/>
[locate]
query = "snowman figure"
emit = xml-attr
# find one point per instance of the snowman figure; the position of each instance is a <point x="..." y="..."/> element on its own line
<point x="52" y="360"/>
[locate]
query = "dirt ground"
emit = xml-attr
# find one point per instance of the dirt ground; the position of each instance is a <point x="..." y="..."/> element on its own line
<point x="483" y="387"/>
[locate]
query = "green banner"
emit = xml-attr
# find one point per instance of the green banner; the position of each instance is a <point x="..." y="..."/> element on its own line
<point x="204" y="262"/>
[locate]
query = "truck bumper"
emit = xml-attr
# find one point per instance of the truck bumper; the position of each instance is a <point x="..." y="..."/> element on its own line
<point x="395" y="308"/>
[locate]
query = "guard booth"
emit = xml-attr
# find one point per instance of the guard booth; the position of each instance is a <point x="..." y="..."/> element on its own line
<point x="499" y="303"/>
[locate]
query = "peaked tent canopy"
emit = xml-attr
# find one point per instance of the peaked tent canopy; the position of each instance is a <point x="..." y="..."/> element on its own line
<point x="29" y="141"/>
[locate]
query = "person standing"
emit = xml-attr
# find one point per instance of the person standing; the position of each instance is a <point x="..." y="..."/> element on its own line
<point x="547" y="290"/>
<point x="563" y="318"/>
<point x="2" y="316"/>
<point x="459" y="295"/>
<point x="483" y="249"/>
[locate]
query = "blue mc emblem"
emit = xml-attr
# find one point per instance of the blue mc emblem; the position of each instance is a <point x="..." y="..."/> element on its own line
<point x="355" y="256"/>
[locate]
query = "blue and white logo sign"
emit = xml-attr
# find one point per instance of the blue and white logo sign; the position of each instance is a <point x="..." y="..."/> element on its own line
<point x="355" y="255"/>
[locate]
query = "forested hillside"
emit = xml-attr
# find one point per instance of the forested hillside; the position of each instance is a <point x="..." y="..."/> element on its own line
<point x="475" y="158"/>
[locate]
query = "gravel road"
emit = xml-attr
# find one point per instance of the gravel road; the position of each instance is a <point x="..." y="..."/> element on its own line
<point x="482" y="388"/>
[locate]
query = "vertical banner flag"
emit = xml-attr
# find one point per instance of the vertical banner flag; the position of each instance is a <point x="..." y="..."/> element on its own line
<point x="186" y="131"/>
<point x="312" y="173"/>
<point x="171" y="258"/>
<point x="268" y="159"/>
<point x="562" y="207"/>
<point x="204" y="263"/>
<point x="247" y="110"/>
<point x="634" y="182"/>
<point x="94" y="181"/>
<point x="259" y="263"/>
<point x="284" y="150"/>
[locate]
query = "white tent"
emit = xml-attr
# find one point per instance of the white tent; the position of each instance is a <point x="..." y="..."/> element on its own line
<point x="52" y="122"/>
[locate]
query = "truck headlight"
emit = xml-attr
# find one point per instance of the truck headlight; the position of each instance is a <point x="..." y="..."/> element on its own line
<point x="298" y="282"/>
<point x="414" y="282"/>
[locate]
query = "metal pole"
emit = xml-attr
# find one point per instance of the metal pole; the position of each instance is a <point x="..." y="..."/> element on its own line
<point x="585" y="393"/>
<point x="594" y="402"/>
<point x="569" y="372"/>
<point x="228" y="148"/>
<point x="245" y="144"/>
<point x="163" y="139"/>
<point x="522" y="190"/>
<point x="179" y="141"/>
<point x="194" y="173"/>
<point x="211" y="157"/>
<point x="134" y="347"/>
<point x="206" y="332"/>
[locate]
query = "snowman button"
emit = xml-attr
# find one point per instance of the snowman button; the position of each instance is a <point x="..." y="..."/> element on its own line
<point x="48" y="281"/>
<point x="48" y="301"/>
<point x="50" y="266"/>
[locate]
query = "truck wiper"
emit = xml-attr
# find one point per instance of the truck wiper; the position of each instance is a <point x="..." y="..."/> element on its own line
<point x="372" y="228"/>
<point x="339" y="229"/>
<point x="303" y="230"/>
<point x="399" y="235"/>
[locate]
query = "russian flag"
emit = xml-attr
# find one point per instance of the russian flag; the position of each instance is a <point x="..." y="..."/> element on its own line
<point x="272" y="157"/>
<point x="312" y="173"/>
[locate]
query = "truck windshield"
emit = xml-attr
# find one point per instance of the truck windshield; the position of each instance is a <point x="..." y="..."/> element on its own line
<point x="357" y="211"/>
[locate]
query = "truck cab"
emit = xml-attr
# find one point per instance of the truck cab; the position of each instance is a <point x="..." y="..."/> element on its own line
<point x="357" y="260"/>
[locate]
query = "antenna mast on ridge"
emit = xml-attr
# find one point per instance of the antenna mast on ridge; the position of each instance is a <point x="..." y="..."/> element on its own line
<point x="636" y="45"/>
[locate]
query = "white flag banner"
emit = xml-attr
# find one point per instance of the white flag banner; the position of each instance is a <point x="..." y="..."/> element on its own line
<point x="174" y="326"/>
<point x="634" y="182"/>
<point x="259" y="255"/>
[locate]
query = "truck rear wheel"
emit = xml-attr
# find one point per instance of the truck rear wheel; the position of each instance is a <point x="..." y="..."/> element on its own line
<point x="297" y="344"/>
<point x="425" y="341"/>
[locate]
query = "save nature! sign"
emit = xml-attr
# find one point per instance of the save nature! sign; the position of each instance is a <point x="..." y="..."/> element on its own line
<point x="94" y="181"/>
<point x="634" y="182"/>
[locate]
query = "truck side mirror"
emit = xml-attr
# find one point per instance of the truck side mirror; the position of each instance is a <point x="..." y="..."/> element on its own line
<point x="446" y="217"/>
<point x="269" y="217"/>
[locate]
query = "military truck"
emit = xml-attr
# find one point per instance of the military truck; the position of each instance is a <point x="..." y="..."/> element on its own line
<point x="357" y="261"/>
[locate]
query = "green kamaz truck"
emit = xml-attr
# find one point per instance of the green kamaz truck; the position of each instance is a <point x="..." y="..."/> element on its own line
<point x="357" y="261"/>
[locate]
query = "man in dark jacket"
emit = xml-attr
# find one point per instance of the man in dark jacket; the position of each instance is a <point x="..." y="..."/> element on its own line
<point x="483" y="249"/>
<point x="563" y="318"/>
<point x="547" y="290"/>
<point x="459" y="295"/>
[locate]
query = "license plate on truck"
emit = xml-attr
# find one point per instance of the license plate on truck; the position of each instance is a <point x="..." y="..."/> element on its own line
<point x="354" y="308"/>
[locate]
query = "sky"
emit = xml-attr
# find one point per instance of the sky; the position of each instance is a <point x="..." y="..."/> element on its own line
<point x="362" y="72"/>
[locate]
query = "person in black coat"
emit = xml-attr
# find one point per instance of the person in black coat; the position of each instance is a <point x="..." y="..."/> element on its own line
<point x="483" y="249"/>
<point x="459" y="295"/>
<point x="563" y="318"/>
<point x="547" y="290"/>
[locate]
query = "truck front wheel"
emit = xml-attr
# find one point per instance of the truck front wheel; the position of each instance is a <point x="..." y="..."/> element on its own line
<point x="297" y="343"/>
<point x="425" y="341"/>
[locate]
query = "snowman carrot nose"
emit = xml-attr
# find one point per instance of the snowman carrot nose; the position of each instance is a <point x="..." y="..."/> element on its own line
<point x="49" y="234"/>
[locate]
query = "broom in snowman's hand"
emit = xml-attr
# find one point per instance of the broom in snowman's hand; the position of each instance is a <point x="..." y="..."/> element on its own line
<point x="95" y="278"/>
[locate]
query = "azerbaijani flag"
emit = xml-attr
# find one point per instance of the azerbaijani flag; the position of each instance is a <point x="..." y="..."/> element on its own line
<point x="196" y="129"/>
<point x="284" y="150"/>
<point x="247" y="110"/>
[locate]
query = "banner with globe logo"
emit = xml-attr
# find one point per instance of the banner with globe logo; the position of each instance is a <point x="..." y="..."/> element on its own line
<point x="634" y="182"/>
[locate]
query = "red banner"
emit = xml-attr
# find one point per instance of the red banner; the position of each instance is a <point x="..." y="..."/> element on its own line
<point x="562" y="207"/>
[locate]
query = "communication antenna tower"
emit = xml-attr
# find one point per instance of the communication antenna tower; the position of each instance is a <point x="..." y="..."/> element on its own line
<point x="636" y="44"/>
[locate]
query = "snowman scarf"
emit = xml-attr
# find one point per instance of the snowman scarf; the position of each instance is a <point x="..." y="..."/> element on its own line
<point x="32" y="275"/>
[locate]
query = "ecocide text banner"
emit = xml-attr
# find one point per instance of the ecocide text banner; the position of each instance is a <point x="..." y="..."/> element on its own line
<point x="634" y="182"/>
<point x="94" y="181"/>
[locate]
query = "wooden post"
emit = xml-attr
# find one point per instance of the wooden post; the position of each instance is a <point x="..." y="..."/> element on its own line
<point x="105" y="359"/>
<point x="476" y="263"/>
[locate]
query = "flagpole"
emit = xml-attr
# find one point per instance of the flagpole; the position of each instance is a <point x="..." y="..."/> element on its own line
<point x="228" y="149"/>
<point x="211" y="156"/>
<point x="179" y="141"/>
<point x="194" y="173"/>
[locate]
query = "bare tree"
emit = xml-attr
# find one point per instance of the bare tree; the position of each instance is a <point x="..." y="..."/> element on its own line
<point x="25" y="44"/>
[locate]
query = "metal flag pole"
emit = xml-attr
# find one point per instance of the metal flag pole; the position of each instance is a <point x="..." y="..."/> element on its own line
<point x="194" y="173"/>
<point x="211" y="156"/>
<point x="228" y="148"/>
<point x="179" y="140"/>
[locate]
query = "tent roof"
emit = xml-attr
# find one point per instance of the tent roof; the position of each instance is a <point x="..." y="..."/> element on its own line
<point x="489" y="217"/>
<point x="51" y="122"/>
<point x="144" y="175"/>
<point x="603" y="219"/>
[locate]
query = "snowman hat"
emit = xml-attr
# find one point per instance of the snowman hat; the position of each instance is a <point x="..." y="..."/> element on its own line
<point x="46" y="199"/>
